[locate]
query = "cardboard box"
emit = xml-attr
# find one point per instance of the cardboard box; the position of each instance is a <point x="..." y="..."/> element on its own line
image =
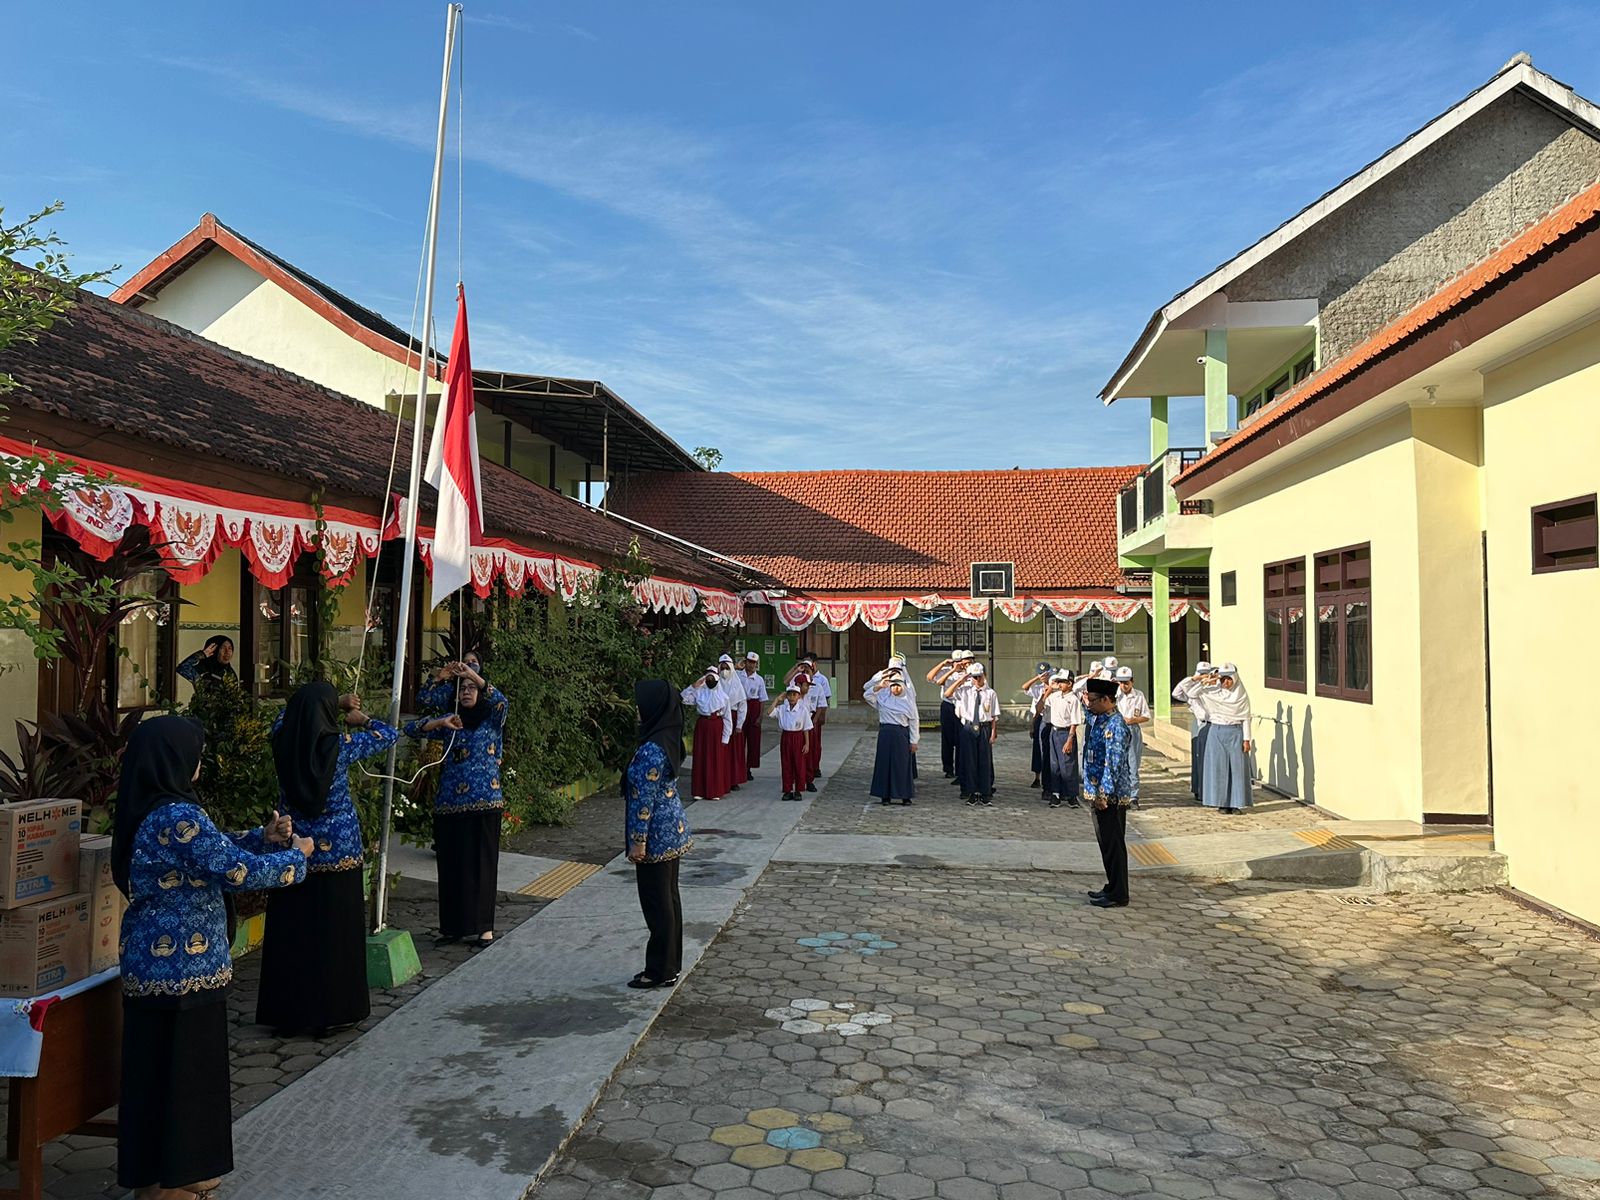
<point x="38" y="851"/>
<point x="44" y="946"/>
<point x="106" y="902"/>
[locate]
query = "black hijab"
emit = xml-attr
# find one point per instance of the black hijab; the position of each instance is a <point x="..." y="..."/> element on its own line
<point x="479" y="712"/>
<point x="660" y="718"/>
<point x="209" y="666"/>
<point x="157" y="768"/>
<point x="306" y="748"/>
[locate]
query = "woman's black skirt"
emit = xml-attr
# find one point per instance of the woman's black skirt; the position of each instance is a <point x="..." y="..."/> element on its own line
<point x="892" y="774"/>
<point x="469" y="867"/>
<point x="175" y="1119"/>
<point x="314" y="962"/>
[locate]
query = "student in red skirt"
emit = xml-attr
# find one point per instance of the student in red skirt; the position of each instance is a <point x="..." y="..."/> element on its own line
<point x="738" y="768"/>
<point x="713" y="731"/>
<point x="794" y="749"/>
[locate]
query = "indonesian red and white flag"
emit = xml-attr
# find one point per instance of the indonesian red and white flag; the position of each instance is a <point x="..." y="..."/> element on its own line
<point x="453" y="469"/>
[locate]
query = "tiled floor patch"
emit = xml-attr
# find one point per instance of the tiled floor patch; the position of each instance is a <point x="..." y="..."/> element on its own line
<point x="848" y="943"/>
<point x="810" y="1015"/>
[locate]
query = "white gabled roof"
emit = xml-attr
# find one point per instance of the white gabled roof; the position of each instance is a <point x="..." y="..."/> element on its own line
<point x="1518" y="73"/>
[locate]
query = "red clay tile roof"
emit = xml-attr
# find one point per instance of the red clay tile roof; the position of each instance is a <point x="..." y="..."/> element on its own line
<point x="1576" y="215"/>
<point x="895" y="531"/>
<point x="110" y="366"/>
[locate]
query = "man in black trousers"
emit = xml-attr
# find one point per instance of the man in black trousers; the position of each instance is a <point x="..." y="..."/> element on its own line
<point x="1106" y="788"/>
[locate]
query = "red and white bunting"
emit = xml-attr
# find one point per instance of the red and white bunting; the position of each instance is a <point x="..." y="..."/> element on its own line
<point x="879" y="612"/>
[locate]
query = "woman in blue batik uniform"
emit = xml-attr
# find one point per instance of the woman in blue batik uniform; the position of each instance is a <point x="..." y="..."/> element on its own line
<point x="175" y="1133"/>
<point x="657" y="832"/>
<point x="314" y="963"/>
<point x="469" y="806"/>
<point x="438" y="695"/>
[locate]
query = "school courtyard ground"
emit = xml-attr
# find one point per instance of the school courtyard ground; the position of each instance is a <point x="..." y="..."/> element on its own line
<point x="908" y="1003"/>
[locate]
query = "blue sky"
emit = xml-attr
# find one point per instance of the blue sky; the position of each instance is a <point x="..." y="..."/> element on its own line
<point x="864" y="234"/>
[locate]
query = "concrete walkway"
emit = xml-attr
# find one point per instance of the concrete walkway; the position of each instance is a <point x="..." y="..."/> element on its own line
<point x="471" y="1088"/>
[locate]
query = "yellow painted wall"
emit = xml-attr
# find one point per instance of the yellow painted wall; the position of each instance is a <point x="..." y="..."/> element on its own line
<point x="1542" y="445"/>
<point x="19" y="671"/>
<point x="1360" y="760"/>
<point x="212" y="608"/>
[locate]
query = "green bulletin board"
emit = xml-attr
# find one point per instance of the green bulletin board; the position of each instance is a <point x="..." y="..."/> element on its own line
<point x="778" y="653"/>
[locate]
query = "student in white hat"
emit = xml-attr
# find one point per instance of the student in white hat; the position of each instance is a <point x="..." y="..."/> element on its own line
<point x="1135" y="710"/>
<point x="949" y="730"/>
<point x="1035" y="689"/>
<point x="1189" y="692"/>
<point x="1096" y="671"/>
<point x="1062" y="712"/>
<point x="978" y="711"/>
<point x="794" y="728"/>
<point x="894" y="766"/>
<point x="1226" y="781"/>
<point x="755" y="700"/>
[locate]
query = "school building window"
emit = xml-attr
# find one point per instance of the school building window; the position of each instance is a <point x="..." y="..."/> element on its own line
<point x="943" y="632"/>
<point x="1057" y="634"/>
<point x="1230" y="588"/>
<point x="1284" y="625"/>
<point x="282" y="629"/>
<point x="147" y="643"/>
<point x="1565" y="536"/>
<point x="1344" y="623"/>
<point x="821" y="641"/>
<point x="1096" y="633"/>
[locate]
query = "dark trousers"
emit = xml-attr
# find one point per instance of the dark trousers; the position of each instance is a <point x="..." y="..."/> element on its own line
<point x="1061" y="764"/>
<point x="175" y="1123"/>
<point x="663" y="916"/>
<point x="1038" y="745"/>
<point x="1111" y="831"/>
<point x="949" y="735"/>
<point x="975" y="763"/>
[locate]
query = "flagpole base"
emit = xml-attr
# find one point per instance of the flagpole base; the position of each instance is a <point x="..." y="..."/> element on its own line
<point x="391" y="959"/>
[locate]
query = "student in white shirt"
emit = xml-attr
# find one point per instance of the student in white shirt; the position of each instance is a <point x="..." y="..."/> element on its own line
<point x="1189" y="691"/>
<point x="755" y="700"/>
<point x="712" y="731"/>
<point x="794" y="730"/>
<point x="1096" y="671"/>
<point x="949" y="730"/>
<point x="1035" y="689"/>
<point x="978" y="711"/>
<point x="1135" y="710"/>
<point x="822" y="698"/>
<point x="738" y="770"/>
<point x="1226" y="781"/>
<point x="894" y="768"/>
<point x="1062" y="713"/>
<point x="809" y="700"/>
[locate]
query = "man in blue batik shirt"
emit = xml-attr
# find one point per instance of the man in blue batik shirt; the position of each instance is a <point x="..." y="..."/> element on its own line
<point x="1107" y="788"/>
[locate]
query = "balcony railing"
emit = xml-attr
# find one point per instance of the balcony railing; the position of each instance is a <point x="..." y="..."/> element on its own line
<point x="1148" y="497"/>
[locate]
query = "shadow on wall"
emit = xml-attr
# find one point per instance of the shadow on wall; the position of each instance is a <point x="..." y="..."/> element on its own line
<point x="1291" y="766"/>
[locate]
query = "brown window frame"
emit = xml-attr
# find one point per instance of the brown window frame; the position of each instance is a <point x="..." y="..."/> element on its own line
<point x="281" y="684"/>
<point x="1341" y="596"/>
<point x="1575" y="536"/>
<point x="1278" y="596"/>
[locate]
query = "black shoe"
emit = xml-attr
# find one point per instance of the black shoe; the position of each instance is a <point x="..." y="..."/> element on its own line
<point x="1035" y="782"/>
<point x="905" y="804"/>
<point x="984" y="801"/>
<point x="1108" y="902"/>
<point x="811" y="787"/>
<point x="1074" y="803"/>
<point x="1097" y="894"/>
<point x="949" y="774"/>
<point x="734" y="788"/>
<point x="969" y="800"/>
<point x="884" y="801"/>
<point x="641" y="981"/>
<point x="1055" y="801"/>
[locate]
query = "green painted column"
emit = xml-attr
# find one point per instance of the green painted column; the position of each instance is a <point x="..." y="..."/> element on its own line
<point x="1159" y="435"/>
<point x="1216" y="367"/>
<point x="1160" y="644"/>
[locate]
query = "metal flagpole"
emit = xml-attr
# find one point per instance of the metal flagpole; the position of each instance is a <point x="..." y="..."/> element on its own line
<point x="418" y="422"/>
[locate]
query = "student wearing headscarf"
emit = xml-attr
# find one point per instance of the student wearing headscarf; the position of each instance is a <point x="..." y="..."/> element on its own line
<point x="713" y="730"/>
<point x="1035" y="689"/>
<point x="175" y="1128"/>
<point x="314" y="963"/>
<point x="729" y="681"/>
<point x="468" y="805"/>
<point x="657" y="832"/>
<point x="438" y="695"/>
<point x="1225" y="782"/>
<point x="1189" y="692"/>
<point x="894" y="767"/>
<point x="211" y="663"/>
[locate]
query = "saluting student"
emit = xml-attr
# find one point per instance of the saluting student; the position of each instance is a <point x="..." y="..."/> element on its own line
<point x="1096" y="671"/>
<point x="810" y="701"/>
<point x="1035" y="689"/>
<point x="755" y="699"/>
<point x="1062" y="713"/>
<point x="712" y="731"/>
<point x="1227" y="772"/>
<point x="978" y="711"/>
<point x="1190" y="691"/>
<point x="1135" y="710"/>
<point x="1105" y="788"/>
<point x="894" y="767"/>
<point x="794" y="731"/>
<point x="821" y="701"/>
<point x="738" y="709"/>
<point x="949" y="728"/>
